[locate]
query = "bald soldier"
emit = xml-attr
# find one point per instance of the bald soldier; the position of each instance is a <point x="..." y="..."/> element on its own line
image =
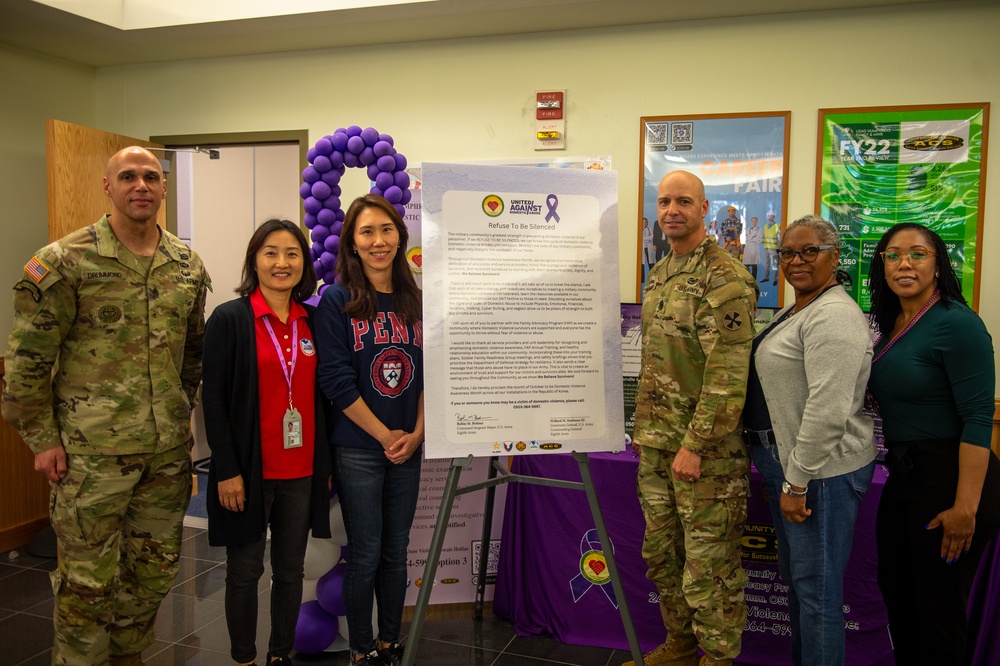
<point x="103" y="363"/>
<point x="697" y="328"/>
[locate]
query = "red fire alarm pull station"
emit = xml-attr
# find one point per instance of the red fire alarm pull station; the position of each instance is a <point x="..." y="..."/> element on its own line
<point x="549" y="105"/>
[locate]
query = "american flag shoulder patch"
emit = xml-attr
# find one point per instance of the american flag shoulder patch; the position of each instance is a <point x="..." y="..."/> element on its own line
<point x="36" y="270"/>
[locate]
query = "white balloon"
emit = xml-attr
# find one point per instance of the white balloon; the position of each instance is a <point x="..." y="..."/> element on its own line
<point x="337" y="529"/>
<point x="309" y="589"/>
<point x="321" y="556"/>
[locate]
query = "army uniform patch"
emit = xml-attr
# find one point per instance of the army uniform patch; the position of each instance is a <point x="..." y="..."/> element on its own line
<point x="109" y="314"/>
<point x="36" y="270"/>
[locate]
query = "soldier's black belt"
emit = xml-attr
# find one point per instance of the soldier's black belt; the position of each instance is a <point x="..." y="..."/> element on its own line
<point x="758" y="437"/>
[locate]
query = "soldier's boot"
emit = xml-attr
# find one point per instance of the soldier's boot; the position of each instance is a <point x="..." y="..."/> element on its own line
<point x="125" y="660"/>
<point x="708" y="661"/>
<point x="682" y="651"/>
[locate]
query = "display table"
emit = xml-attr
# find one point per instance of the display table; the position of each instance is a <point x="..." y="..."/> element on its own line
<point x="550" y="580"/>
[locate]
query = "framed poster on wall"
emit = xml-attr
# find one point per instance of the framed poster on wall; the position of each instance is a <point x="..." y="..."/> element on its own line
<point x="879" y="166"/>
<point x="743" y="160"/>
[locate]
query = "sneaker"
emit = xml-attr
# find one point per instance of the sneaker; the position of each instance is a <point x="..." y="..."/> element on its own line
<point x="393" y="654"/>
<point x="278" y="661"/>
<point x="371" y="659"/>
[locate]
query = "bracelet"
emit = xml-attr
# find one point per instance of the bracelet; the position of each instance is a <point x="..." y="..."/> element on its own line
<point x="787" y="489"/>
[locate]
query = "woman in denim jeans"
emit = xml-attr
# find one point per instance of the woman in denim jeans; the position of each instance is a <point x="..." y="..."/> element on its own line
<point x="370" y="338"/>
<point x="808" y="435"/>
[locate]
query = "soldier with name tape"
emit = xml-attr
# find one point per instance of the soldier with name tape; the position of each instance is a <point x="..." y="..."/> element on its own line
<point x="697" y="329"/>
<point x="102" y="369"/>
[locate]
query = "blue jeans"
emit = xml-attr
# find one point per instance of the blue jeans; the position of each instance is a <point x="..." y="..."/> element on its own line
<point x="813" y="555"/>
<point x="378" y="500"/>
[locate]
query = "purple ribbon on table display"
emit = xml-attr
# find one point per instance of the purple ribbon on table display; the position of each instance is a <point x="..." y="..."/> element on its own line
<point x="593" y="569"/>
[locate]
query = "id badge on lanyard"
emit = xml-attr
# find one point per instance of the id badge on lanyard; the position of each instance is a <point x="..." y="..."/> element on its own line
<point x="291" y="424"/>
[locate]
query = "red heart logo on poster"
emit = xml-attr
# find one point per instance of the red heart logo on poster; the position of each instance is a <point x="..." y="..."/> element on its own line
<point x="597" y="566"/>
<point x="492" y="205"/>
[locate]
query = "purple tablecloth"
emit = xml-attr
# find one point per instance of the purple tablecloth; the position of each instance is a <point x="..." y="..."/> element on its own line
<point x="550" y="580"/>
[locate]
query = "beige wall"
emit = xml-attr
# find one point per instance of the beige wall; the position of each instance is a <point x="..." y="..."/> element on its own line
<point x="473" y="99"/>
<point x="32" y="88"/>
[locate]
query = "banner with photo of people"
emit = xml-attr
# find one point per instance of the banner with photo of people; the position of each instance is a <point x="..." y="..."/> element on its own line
<point x="881" y="166"/>
<point x="743" y="160"/>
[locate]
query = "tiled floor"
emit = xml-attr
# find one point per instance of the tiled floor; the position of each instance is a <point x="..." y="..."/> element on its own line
<point x="191" y="628"/>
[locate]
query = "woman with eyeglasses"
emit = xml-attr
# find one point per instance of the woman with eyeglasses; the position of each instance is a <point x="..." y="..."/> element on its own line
<point x="808" y="436"/>
<point x="933" y="379"/>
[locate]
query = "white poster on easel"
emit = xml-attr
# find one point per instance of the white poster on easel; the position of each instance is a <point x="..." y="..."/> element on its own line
<point x="522" y="339"/>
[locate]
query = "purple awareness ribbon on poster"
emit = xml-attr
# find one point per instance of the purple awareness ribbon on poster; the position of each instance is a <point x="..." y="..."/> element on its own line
<point x="552" y="202"/>
<point x="579" y="585"/>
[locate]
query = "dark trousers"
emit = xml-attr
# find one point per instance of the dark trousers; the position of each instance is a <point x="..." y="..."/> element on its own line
<point x="926" y="597"/>
<point x="286" y="509"/>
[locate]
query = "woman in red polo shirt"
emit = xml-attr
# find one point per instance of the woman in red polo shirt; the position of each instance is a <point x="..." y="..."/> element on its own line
<point x="264" y="419"/>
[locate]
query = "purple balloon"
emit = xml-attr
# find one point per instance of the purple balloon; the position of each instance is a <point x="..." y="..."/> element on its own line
<point x="331" y="245"/>
<point x="367" y="157"/>
<point x="310" y="220"/>
<point x="337" y="227"/>
<point x="305" y="190"/>
<point x="326" y="217"/>
<point x="311" y="154"/>
<point x="355" y="145"/>
<point x="317" y="249"/>
<point x="330" y="590"/>
<point x="337" y="161"/>
<point x="312" y="205"/>
<point x="329" y="277"/>
<point x="370" y="135"/>
<point x="320" y="233"/>
<point x="320" y="190"/>
<point x="336" y="191"/>
<point x="383" y="148"/>
<point x="373" y="171"/>
<point x="386" y="138"/>
<point x="322" y="163"/>
<point x="386" y="163"/>
<point x="401" y="209"/>
<point x="324" y="147"/>
<point x="340" y="215"/>
<point x="383" y="179"/>
<point x="354" y="130"/>
<point x="407" y="195"/>
<point x="333" y="176"/>
<point x="350" y="160"/>
<point x="339" y="141"/>
<point x="310" y="175"/>
<point x="377" y="190"/>
<point x="315" y="629"/>
<point x="332" y="202"/>
<point x="328" y="259"/>
<point x="393" y="194"/>
<point x="400" y="161"/>
<point x="318" y="267"/>
<point x="401" y="179"/>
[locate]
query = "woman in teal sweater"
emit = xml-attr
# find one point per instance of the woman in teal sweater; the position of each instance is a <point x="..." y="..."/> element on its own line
<point x="933" y="379"/>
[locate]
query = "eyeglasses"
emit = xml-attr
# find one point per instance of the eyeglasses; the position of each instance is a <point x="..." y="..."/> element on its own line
<point x="808" y="253"/>
<point x="892" y="257"/>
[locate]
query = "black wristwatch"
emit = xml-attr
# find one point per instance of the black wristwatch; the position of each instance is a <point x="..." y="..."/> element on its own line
<point x="787" y="489"/>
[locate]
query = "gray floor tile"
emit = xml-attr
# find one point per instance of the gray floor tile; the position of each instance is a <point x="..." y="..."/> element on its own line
<point x="24" y="589"/>
<point x="25" y="637"/>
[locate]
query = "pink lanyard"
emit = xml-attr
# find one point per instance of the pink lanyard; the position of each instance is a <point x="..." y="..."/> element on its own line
<point x="289" y="372"/>
<point x="927" y="305"/>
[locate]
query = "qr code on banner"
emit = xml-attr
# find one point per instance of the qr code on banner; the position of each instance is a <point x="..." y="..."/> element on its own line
<point x="682" y="133"/>
<point x="656" y="134"/>
<point x="492" y="563"/>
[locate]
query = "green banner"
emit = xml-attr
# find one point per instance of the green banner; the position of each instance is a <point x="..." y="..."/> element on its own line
<point x="881" y="168"/>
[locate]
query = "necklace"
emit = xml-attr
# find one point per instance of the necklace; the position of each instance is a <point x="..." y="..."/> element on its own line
<point x="927" y="305"/>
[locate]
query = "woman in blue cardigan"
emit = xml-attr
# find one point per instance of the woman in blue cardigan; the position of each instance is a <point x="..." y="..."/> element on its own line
<point x="265" y="423"/>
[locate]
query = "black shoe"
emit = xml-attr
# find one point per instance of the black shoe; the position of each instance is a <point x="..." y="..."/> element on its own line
<point x="392" y="655"/>
<point x="373" y="658"/>
<point x="280" y="661"/>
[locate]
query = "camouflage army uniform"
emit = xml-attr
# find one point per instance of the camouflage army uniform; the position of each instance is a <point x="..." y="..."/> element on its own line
<point x="697" y="328"/>
<point x="105" y="360"/>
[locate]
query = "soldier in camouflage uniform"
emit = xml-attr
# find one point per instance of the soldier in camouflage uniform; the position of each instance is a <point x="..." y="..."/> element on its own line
<point x="697" y="328"/>
<point x="103" y="364"/>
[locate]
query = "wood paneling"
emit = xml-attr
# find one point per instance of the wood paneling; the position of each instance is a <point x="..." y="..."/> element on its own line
<point x="24" y="493"/>
<point x="76" y="161"/>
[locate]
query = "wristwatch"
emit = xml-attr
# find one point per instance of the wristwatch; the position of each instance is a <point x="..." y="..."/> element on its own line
<point x="787" y="489"/>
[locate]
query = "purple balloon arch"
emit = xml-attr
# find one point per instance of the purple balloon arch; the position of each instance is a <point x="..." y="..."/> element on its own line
<point x="329" y="159"/>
